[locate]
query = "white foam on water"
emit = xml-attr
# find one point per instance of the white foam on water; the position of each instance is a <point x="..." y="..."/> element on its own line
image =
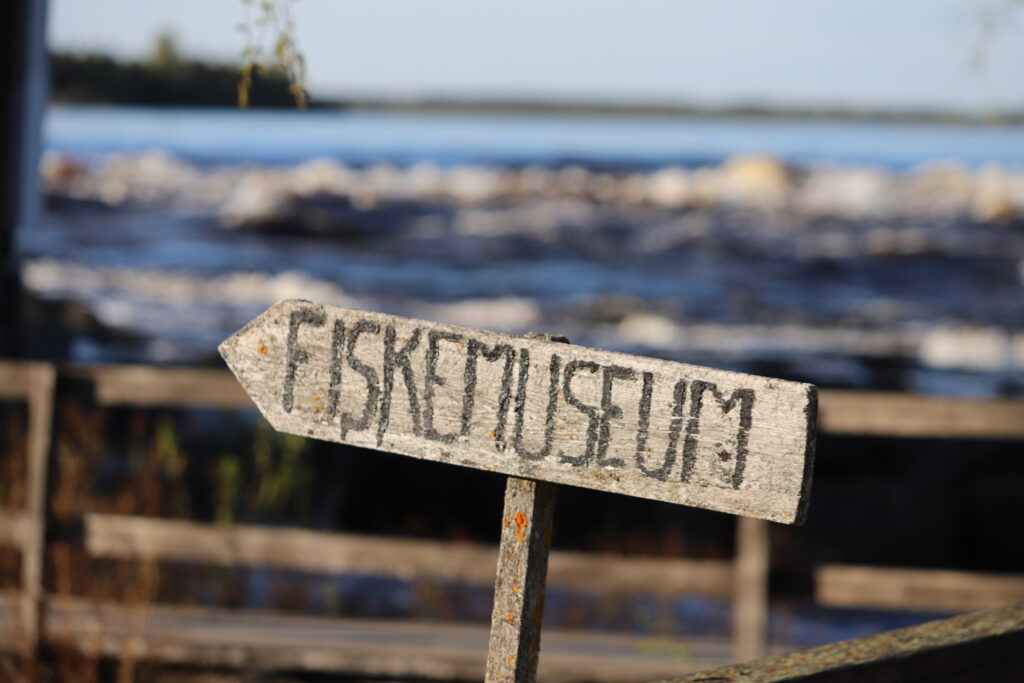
<point x="195" y="311"/>
<point x="942" y="190"/>
<point x="503" y="314"/>
<point x="49" y="278"/>
<point x="964" y="347"/>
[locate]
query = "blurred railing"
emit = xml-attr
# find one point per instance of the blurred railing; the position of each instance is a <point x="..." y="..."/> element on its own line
<point x="248" y="637"/>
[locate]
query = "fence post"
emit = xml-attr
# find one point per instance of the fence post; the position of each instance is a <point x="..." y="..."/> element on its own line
<point x="750" y="597"/>
<point x="42" y="379"/>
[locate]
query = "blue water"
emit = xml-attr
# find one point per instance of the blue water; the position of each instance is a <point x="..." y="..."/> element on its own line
<point x="739" y="269"/>
<point x="287" y="136"/>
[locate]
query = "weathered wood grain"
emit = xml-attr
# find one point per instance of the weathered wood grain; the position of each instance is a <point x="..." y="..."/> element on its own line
<point x="514" y="647"/>
<point x="838" y="585"/>
<point x="532" y="408"/>
<point x="42" y="382"/>
<point x="13" y="528"/>
<point x="750" y="606"/>
<point x="143" y="385"/>
<point x="143" y="538"/>
<point x="878" y="413"/>
<point x="15" y="379"/>
<point x="981" y="646"/>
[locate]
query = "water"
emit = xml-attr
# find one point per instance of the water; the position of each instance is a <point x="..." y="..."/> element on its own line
<point x="876" y="276"/>
<point x="275" y="136"/>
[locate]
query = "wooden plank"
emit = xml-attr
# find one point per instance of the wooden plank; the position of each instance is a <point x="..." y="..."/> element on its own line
<point x="13" y="528"/>
<point x="915" y="589"/>
<point x="866" y="413"/>
<point x="872" y="413"/>
<point x="514" y="647"/>
<point x="393" y="648"/>
<point x="141" y="385"/>
<point x="15" y="379"/>
<point x="539" y="410"/>
<point x="122" y="537"/>
<point x="750" y="606"/>
<point x="981" y="646"/>
<point x="42" y="382"/>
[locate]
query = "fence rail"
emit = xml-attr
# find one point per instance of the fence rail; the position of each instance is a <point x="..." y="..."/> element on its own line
<point x="862" y="413"/>
<point x="838" y="585"/>
<point x="981" y="646"/>
<point x="14" y="527"/>
<point x="122" y="537"/>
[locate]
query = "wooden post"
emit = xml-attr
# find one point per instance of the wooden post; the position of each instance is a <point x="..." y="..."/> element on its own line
<point x="521" y="579"/>
<point x="40" y="422"/>
<point x="526" y="521"/>
<point x="23" y="73"/>
<point x="750" y="601"/>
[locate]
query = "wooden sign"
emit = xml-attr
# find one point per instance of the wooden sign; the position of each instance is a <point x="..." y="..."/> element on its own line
<point x="532" y="408"/>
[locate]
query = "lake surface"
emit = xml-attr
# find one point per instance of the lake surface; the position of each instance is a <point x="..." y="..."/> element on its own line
<point x="898" y="297"/>
<point x="275" y="136"/>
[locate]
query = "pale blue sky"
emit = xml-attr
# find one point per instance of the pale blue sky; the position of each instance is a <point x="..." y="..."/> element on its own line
<point x="858" y="52"/>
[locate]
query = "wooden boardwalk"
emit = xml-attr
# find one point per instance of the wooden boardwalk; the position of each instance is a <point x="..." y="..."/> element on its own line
<point x="264" y="641"/>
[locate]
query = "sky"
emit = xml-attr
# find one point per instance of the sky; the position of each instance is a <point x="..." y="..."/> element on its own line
<point x="860" y="53"/>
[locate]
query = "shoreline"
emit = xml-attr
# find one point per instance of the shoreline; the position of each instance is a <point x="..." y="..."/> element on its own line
<point x="599" y="109"/>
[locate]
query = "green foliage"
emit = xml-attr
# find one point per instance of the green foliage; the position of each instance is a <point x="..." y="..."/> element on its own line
<point x="171" y="462"/>
<point x="992" y="18"/>
<point x="274" y="483"/>
<point x="270" y="43"/>
<point x="164" y="56"/>
<point x="229" y="488"/>
<point x="165" y="77"/>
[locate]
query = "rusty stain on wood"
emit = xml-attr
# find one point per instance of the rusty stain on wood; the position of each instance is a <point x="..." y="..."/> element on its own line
<point x="514" y="646"/>
<point x="428" y="390"/>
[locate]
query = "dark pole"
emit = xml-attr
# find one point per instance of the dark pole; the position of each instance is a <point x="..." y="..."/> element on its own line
<point x="24" y="77"/>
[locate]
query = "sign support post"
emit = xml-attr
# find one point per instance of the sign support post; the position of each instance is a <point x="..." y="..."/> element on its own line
<point x="526" y="520"/>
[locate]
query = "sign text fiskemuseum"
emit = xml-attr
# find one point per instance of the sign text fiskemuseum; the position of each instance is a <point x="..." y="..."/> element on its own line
<point x="532" y="408"/>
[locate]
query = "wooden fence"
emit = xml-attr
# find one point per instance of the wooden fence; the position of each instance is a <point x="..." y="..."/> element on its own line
<point x="745" y="579"/>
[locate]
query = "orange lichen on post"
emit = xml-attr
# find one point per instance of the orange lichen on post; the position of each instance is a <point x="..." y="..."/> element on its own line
<point x="521" y="527"/>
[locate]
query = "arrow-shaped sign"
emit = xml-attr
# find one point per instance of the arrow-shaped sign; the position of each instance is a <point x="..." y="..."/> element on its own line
<point x="532" y="408"/>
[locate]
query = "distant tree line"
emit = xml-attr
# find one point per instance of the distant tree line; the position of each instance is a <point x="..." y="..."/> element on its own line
<point x="166" y="78"/>
<point x="163" y="78"/>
